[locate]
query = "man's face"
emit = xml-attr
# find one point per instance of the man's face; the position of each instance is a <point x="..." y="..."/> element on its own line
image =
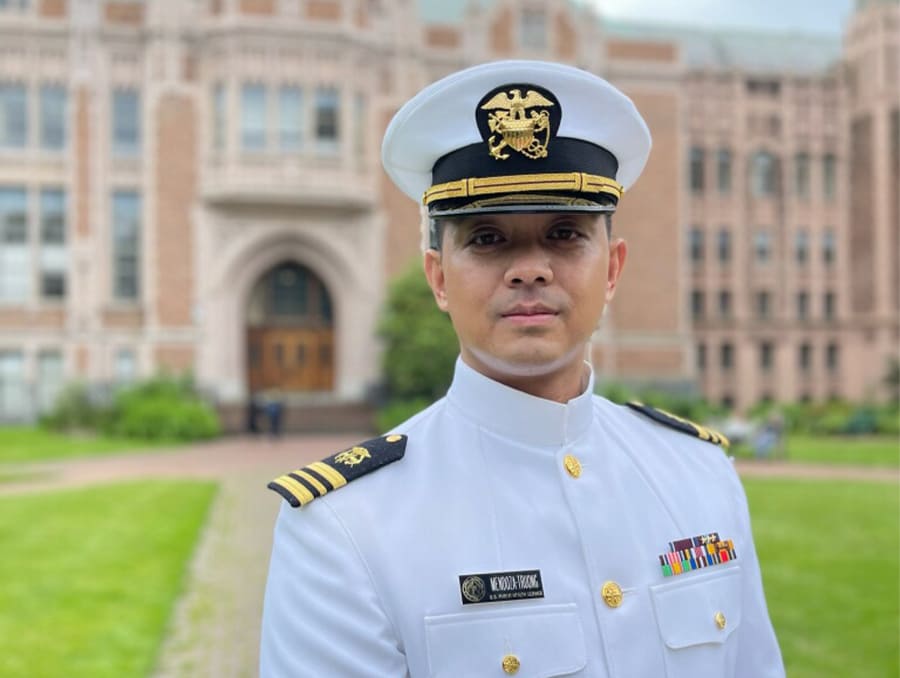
<point x="525" y="292"/>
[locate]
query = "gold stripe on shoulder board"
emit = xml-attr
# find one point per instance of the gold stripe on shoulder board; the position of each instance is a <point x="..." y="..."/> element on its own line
<point x="317" y="479"/>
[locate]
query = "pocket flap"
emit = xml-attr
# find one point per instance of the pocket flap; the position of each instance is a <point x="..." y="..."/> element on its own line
<point x="702" y="609"/>
<point x="547" y="640"/>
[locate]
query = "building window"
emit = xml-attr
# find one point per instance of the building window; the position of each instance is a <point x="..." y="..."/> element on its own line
<point x="534" y="28"/>
<point x="359" y="124"/>
<point x="327" y="120"/>
<point x="801" y="175"/>
<point x="698" y="305"/>
<point x="763" y="246"/>
<point x="53" y="118"/>
<point x="290" y="119"/>
<point x="13" y="394"/>
<point x="253" y="117"/>
<point x="804" y="357"/>
<point x="126" y="127"/>
<point x="802" y="305"/>
<point x="15" y="257"/>
<point x="726" y="356"/>
<point x="763" y="87"/>
<point x="701" y="357"/>
<point x="697" y="244"/>
<point x="832" y="357"/>
<point x="53" y="261"/>
<point x="829" y="305"/>
<point x="829" y="175"/>
<point x="766" y="356"/>
<point x="723" y="171"/>
<point x="696" y="169"/>
<point x="763" y="174"/>
<point x="724" y="245"/>
<point x="49" y="379"/>
<point x="126" y="245"/>
<point x="125" y="369"/>
<point x="724" y="304"/>
<point x="764" y="304"/>
<point x="219" y="119"/>
<point x="13" y="116"/>
<point x="829" y="247"/>
<point x="801" y="246"/>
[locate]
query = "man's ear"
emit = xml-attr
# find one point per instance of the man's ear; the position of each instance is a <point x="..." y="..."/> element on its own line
<point x="434" y="274"/>
<point x="617" y="253"/>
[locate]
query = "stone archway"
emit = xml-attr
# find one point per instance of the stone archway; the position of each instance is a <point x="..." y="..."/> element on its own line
<point x="290" y="332"/>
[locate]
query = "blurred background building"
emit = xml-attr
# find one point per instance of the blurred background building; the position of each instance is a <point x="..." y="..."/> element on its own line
<point x="195" y="185"/>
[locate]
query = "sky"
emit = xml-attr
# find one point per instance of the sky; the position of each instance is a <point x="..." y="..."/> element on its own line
<point x="809" y="16"/>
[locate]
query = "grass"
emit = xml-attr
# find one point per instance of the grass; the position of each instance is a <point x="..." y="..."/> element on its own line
<point x="90" y="576"/>
<point x="26" y="444"/>
<point x="850" y="450"/>
<point x="829" y="553"/>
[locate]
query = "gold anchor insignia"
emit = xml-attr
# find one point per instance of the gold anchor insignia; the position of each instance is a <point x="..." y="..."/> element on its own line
<point x="353" y="456"/>
<point x="518" y="130"/>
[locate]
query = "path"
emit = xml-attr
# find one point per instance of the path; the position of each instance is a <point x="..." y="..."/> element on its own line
<point x="215" y="627"/>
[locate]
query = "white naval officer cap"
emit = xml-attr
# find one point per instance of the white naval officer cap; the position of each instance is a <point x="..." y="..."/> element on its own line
<point x="516" y="136"/>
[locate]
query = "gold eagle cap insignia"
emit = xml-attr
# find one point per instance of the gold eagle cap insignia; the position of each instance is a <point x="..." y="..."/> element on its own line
<point x="514" y="123"/>
<point x="353" y="456"/>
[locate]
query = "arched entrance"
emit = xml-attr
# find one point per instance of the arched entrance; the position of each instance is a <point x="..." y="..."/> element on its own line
<point x="290" y="334"/>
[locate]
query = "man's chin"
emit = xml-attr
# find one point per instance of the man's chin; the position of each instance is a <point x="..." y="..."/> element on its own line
<point x="528" y="364"/>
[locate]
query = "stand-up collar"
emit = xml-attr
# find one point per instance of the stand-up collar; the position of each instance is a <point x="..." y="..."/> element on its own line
<point x="517" y="415"/>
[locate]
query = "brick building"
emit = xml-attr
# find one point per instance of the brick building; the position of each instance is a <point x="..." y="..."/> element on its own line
<point x="195" y="184"/>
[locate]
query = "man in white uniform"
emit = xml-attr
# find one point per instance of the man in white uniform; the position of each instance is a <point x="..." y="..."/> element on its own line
<point x="520" y="525"/>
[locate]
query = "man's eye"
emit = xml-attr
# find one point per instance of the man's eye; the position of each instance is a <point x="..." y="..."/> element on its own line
<point x="564" y="233"/>
<point x="485" y="238"/>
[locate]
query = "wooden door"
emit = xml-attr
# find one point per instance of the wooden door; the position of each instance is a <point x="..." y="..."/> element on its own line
<point x="290" y="358"/>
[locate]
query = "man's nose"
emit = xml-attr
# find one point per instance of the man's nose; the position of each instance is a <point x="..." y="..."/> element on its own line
<point x="530" y="266"/>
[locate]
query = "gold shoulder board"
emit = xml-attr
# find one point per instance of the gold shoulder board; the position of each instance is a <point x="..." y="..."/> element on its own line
<point x="321" y="477"/>
<point x="680" y="424"/>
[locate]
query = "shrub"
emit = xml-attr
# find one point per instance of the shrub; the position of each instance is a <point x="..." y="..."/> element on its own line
<point x="399" y="411"/>
<point x="162" y="408"/>
<point x="74" y="410"/>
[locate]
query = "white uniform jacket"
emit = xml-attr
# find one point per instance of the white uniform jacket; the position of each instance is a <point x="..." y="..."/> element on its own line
<point x="366" y="581"/>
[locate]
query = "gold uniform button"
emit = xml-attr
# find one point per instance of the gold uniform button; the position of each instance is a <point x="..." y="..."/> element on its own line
<point x="612" y="594"/>
<point x="720" y="620"/>
<point x="394" y="438"/>
<point x="573" y="466"/>
<point x="511" y="664"/>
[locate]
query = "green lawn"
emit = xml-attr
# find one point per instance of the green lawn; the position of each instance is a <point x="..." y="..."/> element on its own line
<point x="851" y="450"/>
<point x="89" y="576"/>
<point x="24" y="444"/>
<point x="829" y="552"/>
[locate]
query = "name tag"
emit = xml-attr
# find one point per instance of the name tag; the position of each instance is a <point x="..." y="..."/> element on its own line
<point x="495" y="587"/>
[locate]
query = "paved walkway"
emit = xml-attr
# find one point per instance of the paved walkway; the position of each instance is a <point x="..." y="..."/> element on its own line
<point x="215" y="629"/>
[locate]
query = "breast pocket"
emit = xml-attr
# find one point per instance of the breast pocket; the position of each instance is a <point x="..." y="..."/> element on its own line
<point x="528" y="642"/>
<point x="698" y="618"/>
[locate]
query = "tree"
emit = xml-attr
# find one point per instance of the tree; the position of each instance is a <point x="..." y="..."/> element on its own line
<point x="420" y="345"/>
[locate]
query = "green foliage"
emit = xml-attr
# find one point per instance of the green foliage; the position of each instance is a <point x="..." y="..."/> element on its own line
<point x="163" y="408"/>
<point x="74" y="410"/>
<point x="836" y="417"/>
<point x="90" y="576"/>
<point x="419" y="342"/>
<point x="398" y="411"/>
<point x="829" y="556"/>
<point x="684" y="405"/>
